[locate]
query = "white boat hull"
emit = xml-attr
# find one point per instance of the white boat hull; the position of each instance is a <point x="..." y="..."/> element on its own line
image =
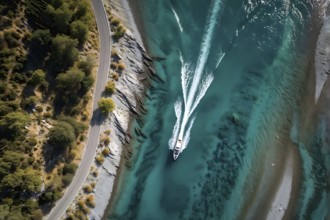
<point x="177" y="149"/>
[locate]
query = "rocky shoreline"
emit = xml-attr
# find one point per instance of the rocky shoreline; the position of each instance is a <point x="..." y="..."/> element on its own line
<point x="128" y="98"/>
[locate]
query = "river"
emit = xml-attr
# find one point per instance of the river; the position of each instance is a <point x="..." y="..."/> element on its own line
<point x="238" y="88"/>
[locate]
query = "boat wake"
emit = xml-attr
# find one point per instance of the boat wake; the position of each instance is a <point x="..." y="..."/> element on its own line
<point x="194" y="81"/>
<point x="177" y="19"/>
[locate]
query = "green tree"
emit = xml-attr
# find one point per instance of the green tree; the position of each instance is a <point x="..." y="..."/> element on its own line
<point x="38" y="77"/>
<point x="64" y="51"/>
<point x="42" y="37"/>
<point x="4" y="211"/>
<point x="70" y="82"/>
<point x="56" y="3"/>
<point x="79" y="31"/>
<point x="67" y="179"/>
<point x="78" y="127"/>
<point x="29" y="102"/>
<point x="30" y="206"/>
<point x="87" y="65"/>
<point x="4" y="109"/>
<point x="69" y="168"/>
<point x="106" y="105"/>
<point x="22" y="181"/>
<point x="61" y="135"/>
<point x="12" y="124"/>
<point x="7" y="107"/>
<point x="10" y="162"/>
<point x="62" y="18"/>
<point x="110" y="87"/>
<point x="82" y="9"/>
<point x="87" y="83"/>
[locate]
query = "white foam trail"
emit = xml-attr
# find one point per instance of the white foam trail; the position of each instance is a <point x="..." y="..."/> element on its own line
<point x="178" y="108"/>
<point x="191" y="95"/>
<point x="177" y="19"/>
<point x="185" y="80"/>
<point x="178" y="113"/>
<point x="205" y="50"/>
<point x="186" y="138"/>
<point x="221" y="56"/>
<point x="203" y="88"/>
<point x="181" y="57"/>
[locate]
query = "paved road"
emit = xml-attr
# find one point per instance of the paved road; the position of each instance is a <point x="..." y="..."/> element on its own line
<point x="90" y="150"/>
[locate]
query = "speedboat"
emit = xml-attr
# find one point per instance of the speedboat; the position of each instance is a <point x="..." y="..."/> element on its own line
<point x="177" y="149"/>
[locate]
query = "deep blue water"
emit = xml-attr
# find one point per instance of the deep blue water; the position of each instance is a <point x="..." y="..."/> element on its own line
<point x="254" y="61"/>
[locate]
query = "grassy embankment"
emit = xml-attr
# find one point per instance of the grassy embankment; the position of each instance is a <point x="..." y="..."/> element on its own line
<point x="47" y="71"/>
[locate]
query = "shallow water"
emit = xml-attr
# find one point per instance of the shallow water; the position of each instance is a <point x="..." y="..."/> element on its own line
<point x="258" y="53"/>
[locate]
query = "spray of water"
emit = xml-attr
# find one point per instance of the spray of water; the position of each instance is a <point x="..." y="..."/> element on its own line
<point x="194" y="82"/>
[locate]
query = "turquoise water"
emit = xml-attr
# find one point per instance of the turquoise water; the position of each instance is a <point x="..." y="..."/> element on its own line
<point x="234" y="75"/>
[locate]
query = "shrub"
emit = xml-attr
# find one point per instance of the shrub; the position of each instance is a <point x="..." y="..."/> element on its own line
<point x="107" y="132"/>
<point x="115" y="76"/>
<point x="88" y="189"/>
<point x="110" y="87"/>
<point x="106" y="105"/>
<point x="87" y="83"/>
<point x="84" y="116"/>
<point x="121" y="66"/>
<point x="82" y="137"/>
<point x="39" y="109"/>
<point x="62" y="135"/>
<point x="93" y="184"/>
<point x="115" y="21"/>
<point x="119" y="32"/>
<point x="42" y="37"/>
<point x="9" y="95"/>
<point x="106" y="151"/>
<point x="69" y="168"/>
<point x="38" y="77"/>
<point x="70" y="156"/>
<point x="87" y="65"/>
<point x="37" y="214"/>
<point x="78" y="127"/>
<point x="11" y="37"/>
<point x="114" y="53"/>
<point x="114" y="65"/>
<point x="47" y="114"/>
<point x="99" y="159"/>
<point x="81" y="204"/>
<point x="106" y="141"/>
<point x="31" y="160"/>
<point x="3" y="87"/>
<point x="32" y="142"/>
<point x="90" y="201"/>
<point x="95" y="173"/>
<point x="29" y="102"/>
<point x="66" y="179"/>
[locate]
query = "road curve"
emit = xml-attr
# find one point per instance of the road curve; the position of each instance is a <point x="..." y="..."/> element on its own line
<point x="94" y="130"/>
